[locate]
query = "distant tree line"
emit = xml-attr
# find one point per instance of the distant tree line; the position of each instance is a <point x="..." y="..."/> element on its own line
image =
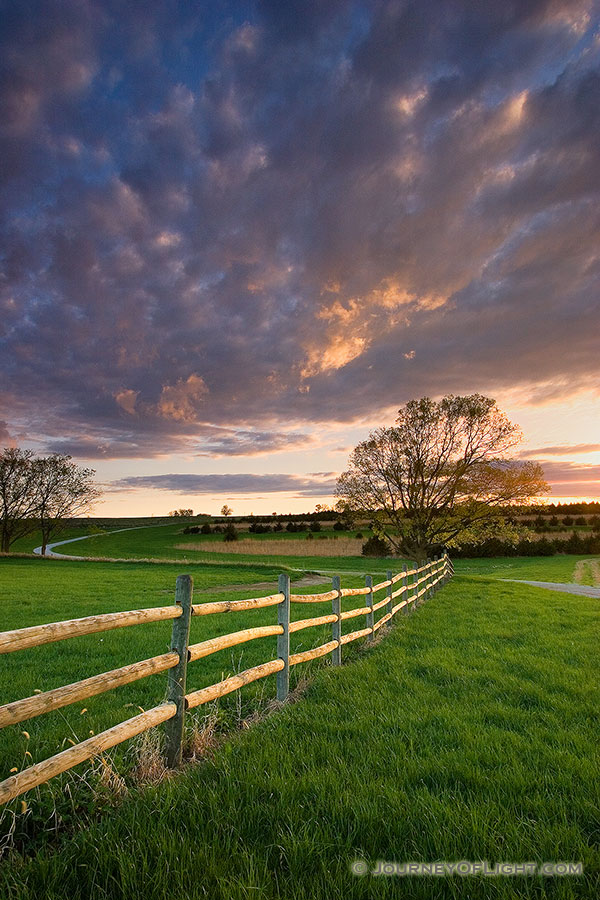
<point x="576" y="544"/>
<point x="41" y="493"/>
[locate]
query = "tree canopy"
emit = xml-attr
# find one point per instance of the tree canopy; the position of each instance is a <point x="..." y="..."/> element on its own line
<point x="440" y="476"/>
<point x="40" y="492"/>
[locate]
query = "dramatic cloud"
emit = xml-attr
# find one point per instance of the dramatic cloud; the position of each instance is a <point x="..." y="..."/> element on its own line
<point x="318" y="484"/>
<point x="210" y="441"/>
<point x="562" y="450"/>
<point x="568" y="479"/>
<point x="236" y="215"/>
<point x="562" y="472"/>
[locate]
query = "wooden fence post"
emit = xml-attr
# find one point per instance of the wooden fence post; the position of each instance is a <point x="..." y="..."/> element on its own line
<point x="177" y="676"/>
<point x="283" y="640"/>
<point x="405" y="595"/>
<point x="415" y="588"/>
<point x="370" y="615"/>
<point x="390" y="604"/>
<point x="448" y="571"/>
<point x="336" y="627"/>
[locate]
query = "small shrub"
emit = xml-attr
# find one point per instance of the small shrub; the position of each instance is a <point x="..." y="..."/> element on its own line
<point x="359" y="534"/>
<point x="375" y="546"/>
<point x="206" y="529"/>
<point x="230" y="533"/>
<point x="339" y="526"/>
<point x="568" y="521"/>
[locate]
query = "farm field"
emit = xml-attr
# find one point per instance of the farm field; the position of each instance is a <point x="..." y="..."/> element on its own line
<point x="560" y="568"/>
<point x="469" y="732"/>
<point x="316" y="555"/>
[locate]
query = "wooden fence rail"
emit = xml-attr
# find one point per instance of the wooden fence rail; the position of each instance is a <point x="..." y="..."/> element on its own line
<point x="426" y="579"/>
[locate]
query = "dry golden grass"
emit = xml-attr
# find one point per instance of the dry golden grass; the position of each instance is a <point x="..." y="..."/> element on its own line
<point x="298" y="547"/>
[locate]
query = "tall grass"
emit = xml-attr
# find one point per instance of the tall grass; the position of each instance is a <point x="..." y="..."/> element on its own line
<point x="290" y="547"/>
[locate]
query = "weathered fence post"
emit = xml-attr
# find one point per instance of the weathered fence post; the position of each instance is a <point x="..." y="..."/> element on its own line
<point x="390" y="588"/>
<point x="283" y="640"/>
<point x="405" y="595"/>
<point x="449" y="568"/>
<point x="427" y="593"/>
<point x="177" y="676"/>
<point x="336" y="627"/>
<point x="370" y="615"/>
<point x="432" y="587"/>
<point x="415" y="587"/>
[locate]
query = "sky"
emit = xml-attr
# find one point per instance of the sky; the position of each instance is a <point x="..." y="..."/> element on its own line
<point x="237" y="236"/>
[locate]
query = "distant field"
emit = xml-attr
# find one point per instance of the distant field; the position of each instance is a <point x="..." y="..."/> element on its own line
<point x="469" y="733"/>
<point x="320" y="546"/>
<point x="169" y="541"/>
<point x="529" y="568"/>
<point x="335" y="554"/>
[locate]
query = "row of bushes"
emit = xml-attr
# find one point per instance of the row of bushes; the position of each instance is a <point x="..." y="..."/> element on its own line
<point x="576" y="544"/>
<point x="541" y="523"/>
<point x="257" y="528"/>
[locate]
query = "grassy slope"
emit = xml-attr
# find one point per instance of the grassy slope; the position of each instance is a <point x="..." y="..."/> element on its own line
<point x="36" y="591"/>
<point x="160" y="542"/>
<point x="536" y="568"/>
<point x="470" y="732"/>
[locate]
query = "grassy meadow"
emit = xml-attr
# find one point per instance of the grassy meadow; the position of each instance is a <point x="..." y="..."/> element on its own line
<point x="329" y="552"/>
<point x="469" y="731"/>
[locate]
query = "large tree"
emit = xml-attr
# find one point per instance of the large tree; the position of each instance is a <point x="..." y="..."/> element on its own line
<point x="17" y="495"/>
<point x="440" y="476"/>
<point x="63" y="491"/>
<point x="40" y="492"/>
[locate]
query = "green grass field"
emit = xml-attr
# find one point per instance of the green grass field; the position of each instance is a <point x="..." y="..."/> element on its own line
<point x="38" y="591"/>
<point x="161" y="543"/>
<point x="559" y="569"/>
<point x="470" y="732"/>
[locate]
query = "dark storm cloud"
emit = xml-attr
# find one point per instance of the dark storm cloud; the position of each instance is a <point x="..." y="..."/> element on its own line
<point x="301" y="213"/>
<point x="315" y="485"/>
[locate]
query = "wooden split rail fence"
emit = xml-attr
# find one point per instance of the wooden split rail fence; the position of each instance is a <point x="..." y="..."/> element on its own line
<point x="425" y="580"/>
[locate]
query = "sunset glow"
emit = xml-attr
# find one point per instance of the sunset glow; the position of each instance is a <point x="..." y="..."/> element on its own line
<point x="238" y="236"/>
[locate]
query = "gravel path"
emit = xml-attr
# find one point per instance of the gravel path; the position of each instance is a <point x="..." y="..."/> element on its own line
<point x="585" y="590"/>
